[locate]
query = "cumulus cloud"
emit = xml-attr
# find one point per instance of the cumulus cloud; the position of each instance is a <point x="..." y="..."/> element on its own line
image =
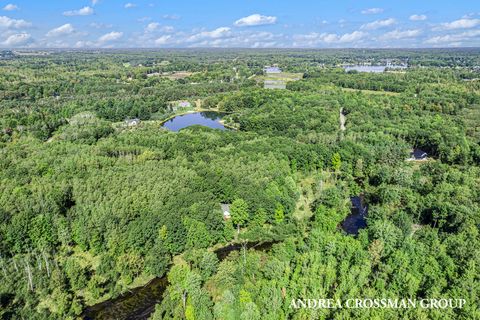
<point x="314" y="39"/>
<point x="255" y="20"/>
<point x="155" y="26"/>
<point x="464" y="23"/>
<point x="94" y="2"/>
<point x="398" y="34"/>
<point x="8" y="23"/>
<point x="163" y="40"/>
<point x="61" y="31"/>
<point x="85" y="11"/>
<point x="244" y="39"/>
<point x="10" y="7"/>
<point x="151" y="27"/>
<point x="372" y="11"/>
<point x="19" y="39"/>
<point x="418" y="17"/>
<point x="214" y="34"/>
<point x="130" y="5"/>
<point x="111" y="36"/>
<point x="454" y="38"/>
<point x="378" y="24"/>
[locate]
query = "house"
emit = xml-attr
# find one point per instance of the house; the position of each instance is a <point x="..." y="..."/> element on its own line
<point x="272" y="69"/>
<point x="184" y="104"/>
<point x="417" y="155"/>
<point x="132" y="122"/>
<point x="226" y="210"/>
<point x="176" y="105"/>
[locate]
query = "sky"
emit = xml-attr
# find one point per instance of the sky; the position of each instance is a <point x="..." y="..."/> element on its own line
<point x="239" y="23"/>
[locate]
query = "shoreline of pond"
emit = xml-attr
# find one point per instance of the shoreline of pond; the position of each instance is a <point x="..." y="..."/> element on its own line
<point x="152" y="292"/>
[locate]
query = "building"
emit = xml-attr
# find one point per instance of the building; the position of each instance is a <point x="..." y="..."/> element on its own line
<point x="272" y="69"/>
<point x="132" y="122"/>
<point x="177" y="105"/>
<point x="226" y="210"/>
<point x="417" y="155"/>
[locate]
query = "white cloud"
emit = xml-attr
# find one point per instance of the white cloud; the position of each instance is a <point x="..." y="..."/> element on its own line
<point x="314" y="39"/>
<point x="130" y="5"/>
<point x="85" y="11"/>
<point x="255" y="20"/>
<point x="95" y="2"/>
<point x="171" y="17"/>
<point x="151" y="27"/>
<point x="454" y="38"/>
<point x="97" y="25"/>
<point x="18" y="40"/>
<point x="163" y="40"/>
<point x="112" y="36"/>
<point x="243" y="39"/>
<point x="418" y="17"/>
<point x="214" y="34"/>
<point x="155" y="26"/>
<point x="398" y="34"/>
<point x="464" y="23"/>
<point x="372" y="11"/>
<point x="61" y="31"/>
<point x="378" y="24"/>
<point x="10" y="7"/>
<point x="8" y="23"/>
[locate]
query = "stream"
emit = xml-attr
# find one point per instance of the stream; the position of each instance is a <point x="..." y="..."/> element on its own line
<point x="139" y="303"/>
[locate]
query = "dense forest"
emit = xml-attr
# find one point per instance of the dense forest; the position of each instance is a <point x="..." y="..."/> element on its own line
<point x="91" y="207"/>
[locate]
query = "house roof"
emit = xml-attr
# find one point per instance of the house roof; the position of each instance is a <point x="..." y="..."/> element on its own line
<point x="418" y="154"/>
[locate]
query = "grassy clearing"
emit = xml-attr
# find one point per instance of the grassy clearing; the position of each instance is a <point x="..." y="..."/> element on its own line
<point x="283" y="76"/>
<point x="388" y="93"/>
<point x="310" y="187"/>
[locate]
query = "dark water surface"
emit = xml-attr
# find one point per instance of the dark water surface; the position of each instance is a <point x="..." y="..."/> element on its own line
<point x="356" y="220"/>
<point x="208" y="119"/>
<point x="139" y="303"/>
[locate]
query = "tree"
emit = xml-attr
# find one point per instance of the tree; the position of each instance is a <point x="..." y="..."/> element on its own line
<point x="239" y="212"/>
<point x="336" y="162"/>
<point x="279" y="213"/>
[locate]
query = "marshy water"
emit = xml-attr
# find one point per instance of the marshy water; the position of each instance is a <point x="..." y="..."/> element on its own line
<point x="209" y="119"/>
<point x="139" y="303"/>
<point x="356" y="220"/>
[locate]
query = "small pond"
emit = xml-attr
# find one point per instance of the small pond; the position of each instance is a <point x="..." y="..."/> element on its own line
<point x="139" y="303"/>
<point x="209" y="119"/>
<point x="356" y="220"/>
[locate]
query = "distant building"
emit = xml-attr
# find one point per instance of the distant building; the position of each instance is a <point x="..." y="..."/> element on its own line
<point x="176" y="105"/>
<point x="272" y="69"/>
<point x="226" y="210"/>
<point x="184" y="104"/>
<point x="132" y="122"/>
<point x="417" y="155"/>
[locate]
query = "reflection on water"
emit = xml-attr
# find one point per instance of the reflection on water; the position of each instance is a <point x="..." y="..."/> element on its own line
<point x="208" y="119"/>
<point x="356" y="220"/>
<point x="139" y="303"/>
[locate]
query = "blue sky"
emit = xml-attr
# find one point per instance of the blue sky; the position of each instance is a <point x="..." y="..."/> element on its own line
<point x="238" y="23"/>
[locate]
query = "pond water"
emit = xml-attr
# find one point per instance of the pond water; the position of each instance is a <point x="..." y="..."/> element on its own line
<point x="356" y="220"/>
<point x="209" y="119"/>
<point x="139" y="303"/>
<point x="373" y="69"/>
